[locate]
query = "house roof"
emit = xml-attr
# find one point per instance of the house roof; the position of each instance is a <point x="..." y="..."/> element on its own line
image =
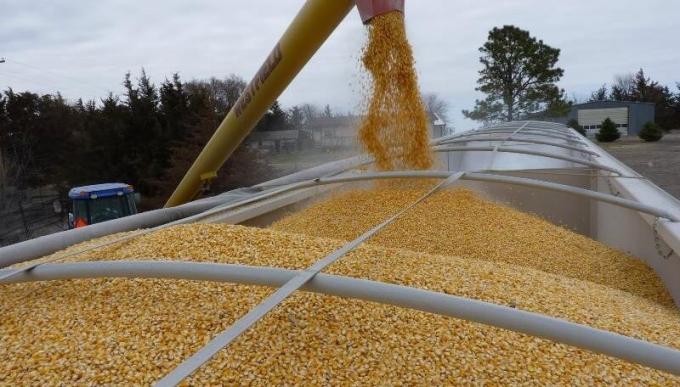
<point x="597" y="104"/>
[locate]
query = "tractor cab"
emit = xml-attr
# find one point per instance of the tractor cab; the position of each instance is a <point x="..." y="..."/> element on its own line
<point x="101" y="202"/>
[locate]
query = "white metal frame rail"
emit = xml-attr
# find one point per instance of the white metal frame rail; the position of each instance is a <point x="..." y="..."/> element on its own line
<point x="492" y="162"/>
<point x="592" y="164"/>
<point x="531" y="128"/>
<point x="522" y="140"/>
<point x="222" y="340"/>
<point x="528" y="129"/>
<point x="527" y="132"/>
<point x="532" y="124"/>
<point x="514" y="124"/>
<point x="554" y="329"/>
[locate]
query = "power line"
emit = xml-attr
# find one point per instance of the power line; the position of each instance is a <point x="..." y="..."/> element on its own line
<point x="42" y="86"/>
<point x="92" y="92"/>
<point x="45" y="72"/>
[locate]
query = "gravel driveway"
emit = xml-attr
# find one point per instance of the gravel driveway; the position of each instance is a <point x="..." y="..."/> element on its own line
<point x="658" y="161"/>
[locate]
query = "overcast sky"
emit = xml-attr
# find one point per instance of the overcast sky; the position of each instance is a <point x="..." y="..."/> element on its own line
<point x="83" y="48"/>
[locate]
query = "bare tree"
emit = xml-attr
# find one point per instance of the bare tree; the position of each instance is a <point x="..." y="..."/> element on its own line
<point x="623" y="86"/>
<point x="600" y="94"/>
<point x="327" y="112"/>
<point x="309" y="112"/>
<point x="223" y="93"/>
<point x="435" y="104"/>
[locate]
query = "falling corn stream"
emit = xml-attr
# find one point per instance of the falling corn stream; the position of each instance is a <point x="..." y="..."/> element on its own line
<point x="394" y="130"/>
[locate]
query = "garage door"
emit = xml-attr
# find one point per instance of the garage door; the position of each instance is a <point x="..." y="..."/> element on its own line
<point x="591" y="119"/>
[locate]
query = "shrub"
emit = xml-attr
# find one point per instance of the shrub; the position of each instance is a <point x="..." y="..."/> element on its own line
<point x="574" y="125"/>
<point x="608" y="131"/>
<point x="651" y="132"/>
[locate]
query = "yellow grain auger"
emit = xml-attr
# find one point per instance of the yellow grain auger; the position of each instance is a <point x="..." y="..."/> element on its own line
<point x="310" y="29"/>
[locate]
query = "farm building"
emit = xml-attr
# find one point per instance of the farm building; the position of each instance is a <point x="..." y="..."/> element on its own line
<point x="629" y="117"/>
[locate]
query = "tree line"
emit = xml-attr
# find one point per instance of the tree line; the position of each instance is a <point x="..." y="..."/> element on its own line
<point x="147" y="137"/>
<point x="638" y="87"/>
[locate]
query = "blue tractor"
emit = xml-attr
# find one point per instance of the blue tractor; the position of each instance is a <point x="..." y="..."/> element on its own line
<point x="101" y="202"/>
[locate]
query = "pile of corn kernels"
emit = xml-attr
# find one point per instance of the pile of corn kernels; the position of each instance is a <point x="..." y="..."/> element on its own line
<point x="460" y="223"/>
<point x="119" y="331"/>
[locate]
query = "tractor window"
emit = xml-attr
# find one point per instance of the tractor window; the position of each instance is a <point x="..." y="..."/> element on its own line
<point x="131" y="203"/>
<point x="104" y="209"/>
<point x="80" y="215"/>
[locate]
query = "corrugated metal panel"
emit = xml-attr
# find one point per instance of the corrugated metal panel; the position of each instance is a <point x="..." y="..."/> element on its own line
<point x="596" y="116"/>
<point x="591" y="119"/>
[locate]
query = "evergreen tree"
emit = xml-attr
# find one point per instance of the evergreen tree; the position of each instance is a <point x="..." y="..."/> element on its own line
<point x="18" y="138"/>
<point x="608" y="131"/>
<point x="146" y="152"/>
<point x="650" y="132"/>
<point x="574" y="125"/>
<point x="646" y="90"/>
<point x="149" y="137"/>
<point x="278" y="118"/>
<point x="622" y="89"/>
<point x="174" y="108"/>
<point x="106" y="146"/>
<point x="518" y="76"/>
<point x="640" y="88"/>
<point x="244" y="168"/>
<point x="56" y="144"/>
<point x="274" y="119"/>
<point x="557" y="106"/>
